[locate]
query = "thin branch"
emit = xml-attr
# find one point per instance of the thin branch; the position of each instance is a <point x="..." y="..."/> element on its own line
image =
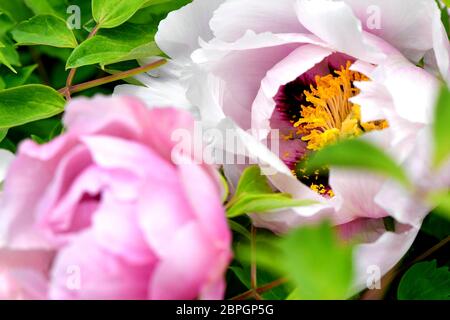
<point x="73" y="71"/>
<point x="429" y="252"/>
<point x="267" y="287"/>
<point x="112" y="78"/>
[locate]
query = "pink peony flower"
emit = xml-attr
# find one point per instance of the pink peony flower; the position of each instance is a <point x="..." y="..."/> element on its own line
<point x="317" y="71"/>
<point x="102" y="212"/>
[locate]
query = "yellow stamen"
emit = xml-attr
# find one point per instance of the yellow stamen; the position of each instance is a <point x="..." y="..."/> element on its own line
<point x="330" y="115"/>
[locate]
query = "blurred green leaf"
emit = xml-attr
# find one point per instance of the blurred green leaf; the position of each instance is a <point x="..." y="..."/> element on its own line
<point x="45" y="129"/>
<point x="425" y="281"/>
<point x="441" y="128"/>
<point x="436" y="225"/>
<point x="59" y="53"/>
<point x="236" y="227"/>
<point x="44" y="30"/>
<point x="357" y="154"/>
<point x="441" y="200"/>
<point x="318" y="263"/>
<point x="127" y="42"/>
<point x="6" y="23"/>
<point x="20" y="78"/>
<point x="113" y="13"/>
<point x="28" y="103"/>
<point x="313" y="258"/>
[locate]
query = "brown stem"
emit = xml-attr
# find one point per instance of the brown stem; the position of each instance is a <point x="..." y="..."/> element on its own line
<point x="112" y="78"/>
<point x="73" y="71"/>
<point x="267" y="287"/>
<point x="397" y="270"/>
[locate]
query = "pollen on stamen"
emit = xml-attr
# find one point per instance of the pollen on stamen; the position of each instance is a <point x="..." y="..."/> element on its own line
<point x="327" y="115"/>
<point x="330" y="115"/>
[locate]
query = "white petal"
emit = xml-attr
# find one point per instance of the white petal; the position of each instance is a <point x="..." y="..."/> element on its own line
<point x="163" y="87"/>
<point x="232" y="19"/>
<point x="403" y="23"/>
<point x="216" y="49"/>
<point x="441" y="47"/>
<point x="335" y="23"/>
<point x="179" y="33"/>
<point x="206" y="92"/>
<point x="355" y="193"/>
<point x="382" y="255"/>
<point x="413" y="90"/>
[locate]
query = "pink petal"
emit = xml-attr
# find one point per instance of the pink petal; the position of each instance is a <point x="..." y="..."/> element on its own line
<point x="190" y="263"/>
<point x="204" y="197"/>
<point x="96" y="274"/>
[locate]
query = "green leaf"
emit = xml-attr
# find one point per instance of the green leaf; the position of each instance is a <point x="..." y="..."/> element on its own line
<point x="425" y="281"/>
<point x="236" y="227"/>
<point x="16" y="9"/>
<point x="436" y="225"/>
<point x="53" y="7"/>
<point x="260" y="203"/>
<point x="358" y="154"/>
<point x="252" y="181"/>
<point x="8" y="53"/>
<point x="28" y="103"/>
<point x="46" y="30"/>
<point x="226" y="188"/>
<point x="254" y="195"/>
<point x="3" y="133"/>
<point x="319" y="264"/>
<point x="8" y="56"/>
<point x="20" y="78"/>
<point x="445" y="20"/>
<point x="127" y="42"/>
<point x="6" y="23"/>
<point x="155" y="11"/>
<point x="441" y="129"/>
<point x="241" y="274"/>
<point x="113" y="13"/>
<point x="2" y="84"/>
